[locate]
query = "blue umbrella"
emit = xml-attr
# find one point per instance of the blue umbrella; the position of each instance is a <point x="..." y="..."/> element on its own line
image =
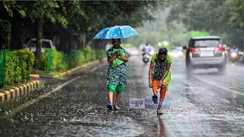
<point x="101" y="34"/>
<point x="116" y="32"/>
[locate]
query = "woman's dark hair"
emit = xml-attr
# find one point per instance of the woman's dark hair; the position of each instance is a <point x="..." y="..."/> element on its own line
<point x="163" y="51"/>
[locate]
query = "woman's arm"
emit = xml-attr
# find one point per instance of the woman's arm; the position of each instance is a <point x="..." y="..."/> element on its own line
<point x="124" y="58"/>
<point x="111" y="59"/>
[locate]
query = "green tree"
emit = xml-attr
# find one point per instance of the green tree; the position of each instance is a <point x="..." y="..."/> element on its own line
<point x="81" y="18"/>
<point x="42" y="11"/>
<point x="225" y="18"/>
<point x="7" y="11"/>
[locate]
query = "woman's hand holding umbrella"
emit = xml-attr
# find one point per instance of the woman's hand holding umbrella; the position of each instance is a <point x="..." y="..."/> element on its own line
<point x="113" y="57"/>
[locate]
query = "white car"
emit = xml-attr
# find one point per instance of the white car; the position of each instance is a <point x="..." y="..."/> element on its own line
<point x="46" y="43"/>
<point x="206" y="52"/>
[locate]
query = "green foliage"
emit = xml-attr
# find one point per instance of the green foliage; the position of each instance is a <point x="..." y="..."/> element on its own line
<point x="16" y="66"/>
<point x="25" y="62"/>
<point x="52" y="60"/>
<point x="51" y="10"/>
<point x="89" y="54"/>
<point x="2" y="62"/>
<point x="9" y="68"/>
<point x="78" y="17"/>
<point x="147" y="35"/>
<point x="91" y="16"/>
<point x="22" y="13"/>
<point x="63" y="65"/>
<point x="9" y="6"/>
<point x="80" y="57"/>
<point x="218" y="17"/>
<point x="100" y="54"/>
<point x="77" y="57"/>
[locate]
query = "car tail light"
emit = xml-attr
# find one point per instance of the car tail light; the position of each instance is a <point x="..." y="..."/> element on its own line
<point x="220" y="48"/>
<point x="194" y="50"/>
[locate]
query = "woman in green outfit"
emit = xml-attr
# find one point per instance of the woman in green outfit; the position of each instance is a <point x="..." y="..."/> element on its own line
<point x="116" y="74"/>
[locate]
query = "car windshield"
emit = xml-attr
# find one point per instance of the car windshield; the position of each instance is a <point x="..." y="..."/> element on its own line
<point x="206" y="43"/>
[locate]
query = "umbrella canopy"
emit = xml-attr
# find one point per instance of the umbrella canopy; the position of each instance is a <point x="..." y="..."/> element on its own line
<point x="102" y="33"/>
<point x="116" y="32"/>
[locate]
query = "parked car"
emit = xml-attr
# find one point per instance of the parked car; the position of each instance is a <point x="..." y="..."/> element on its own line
<point x="205" y="52"/>
<point x="46" y="43"/>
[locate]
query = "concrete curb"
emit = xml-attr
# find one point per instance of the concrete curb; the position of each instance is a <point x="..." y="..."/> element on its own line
<point x="18" y="91"/>
<point x="77" y="68"/>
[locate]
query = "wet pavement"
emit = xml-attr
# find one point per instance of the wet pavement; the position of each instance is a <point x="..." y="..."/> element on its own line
<point x="205" y="103"/>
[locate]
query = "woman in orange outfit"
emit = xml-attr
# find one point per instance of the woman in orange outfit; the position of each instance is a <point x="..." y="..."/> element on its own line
<point x="160" y="76"/>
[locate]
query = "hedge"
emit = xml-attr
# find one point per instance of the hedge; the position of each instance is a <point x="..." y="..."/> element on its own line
<point x="15" y="66"/>
<point x="53" y="60"/>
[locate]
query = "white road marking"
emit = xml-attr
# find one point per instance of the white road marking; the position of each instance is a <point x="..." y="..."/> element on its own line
<point x="211" y="83"/>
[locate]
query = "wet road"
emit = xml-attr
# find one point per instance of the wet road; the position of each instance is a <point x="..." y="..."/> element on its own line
<point x="203" y="104"/>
